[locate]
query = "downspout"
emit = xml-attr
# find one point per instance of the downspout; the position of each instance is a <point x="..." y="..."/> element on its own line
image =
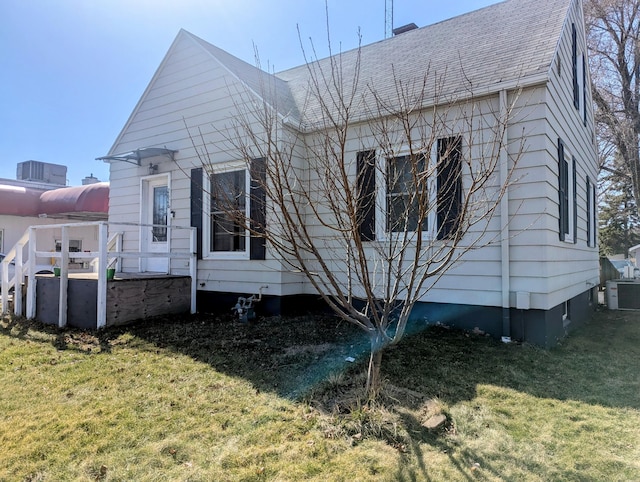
<point x="504" y="220"/>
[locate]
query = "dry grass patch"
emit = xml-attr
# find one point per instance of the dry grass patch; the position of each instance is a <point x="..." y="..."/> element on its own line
<point x="210" y="399"/>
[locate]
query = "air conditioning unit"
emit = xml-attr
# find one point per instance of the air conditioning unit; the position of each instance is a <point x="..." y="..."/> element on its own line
<point x="623" y="294"/>
<point x="42" y="172"/>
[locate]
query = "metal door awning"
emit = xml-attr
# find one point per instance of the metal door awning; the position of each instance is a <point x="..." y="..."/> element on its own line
<point x="136" y="156"/>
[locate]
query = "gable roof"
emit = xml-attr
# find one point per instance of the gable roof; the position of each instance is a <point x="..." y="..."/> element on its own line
<point x="505" y="45"/>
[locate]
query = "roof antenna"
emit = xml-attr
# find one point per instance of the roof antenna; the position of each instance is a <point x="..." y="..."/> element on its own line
<point x="388" y="18"/>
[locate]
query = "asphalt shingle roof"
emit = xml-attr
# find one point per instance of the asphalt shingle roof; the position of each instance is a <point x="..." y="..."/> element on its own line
<point x="481" y="50"/>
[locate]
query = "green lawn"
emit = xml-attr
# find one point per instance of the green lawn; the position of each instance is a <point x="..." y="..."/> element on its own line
<point x="210" y="399"/>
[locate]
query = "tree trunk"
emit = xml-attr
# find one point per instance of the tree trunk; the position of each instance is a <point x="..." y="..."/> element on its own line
<point x="373" y="373"/>
<point x="634" y="167"/>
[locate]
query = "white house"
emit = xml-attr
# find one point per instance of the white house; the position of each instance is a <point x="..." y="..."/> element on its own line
<point x="534" y="284"/>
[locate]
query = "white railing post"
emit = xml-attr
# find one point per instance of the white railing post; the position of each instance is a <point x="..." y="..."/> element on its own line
<point x="193" y="267"/>
<point x="101" y="320"/>
<point x="169" y="247"/>
<point x="64" y="278"/>
<point x="31" y="286"/>
<point x="4" y="296"/>
<point x="119" y="250"/>
<point x="17" y="280"/>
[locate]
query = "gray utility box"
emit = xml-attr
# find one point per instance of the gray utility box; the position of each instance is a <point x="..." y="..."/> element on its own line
<point x="623" y="294"/>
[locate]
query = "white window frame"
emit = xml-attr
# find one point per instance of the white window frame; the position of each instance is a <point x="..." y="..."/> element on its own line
<point x="571" y="194"/>
<point x="381" y="196"/>
<point x="570" y="236"/>
<point x="206" y="211"/>
<point x="593" y="221"/>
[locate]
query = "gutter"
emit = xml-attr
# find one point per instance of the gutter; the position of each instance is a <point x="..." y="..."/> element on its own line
<point x="504" y="221"/>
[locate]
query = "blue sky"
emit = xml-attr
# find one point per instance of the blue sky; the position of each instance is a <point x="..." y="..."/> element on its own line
<point x="73" y="70"/>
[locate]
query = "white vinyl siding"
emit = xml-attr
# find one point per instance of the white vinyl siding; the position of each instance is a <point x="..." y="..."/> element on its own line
<point x="570" y="268"/>
<point x="189" y="94"/>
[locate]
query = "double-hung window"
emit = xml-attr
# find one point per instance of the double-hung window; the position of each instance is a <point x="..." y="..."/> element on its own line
<point x="228" y="211"/>
<point x="567" y="216"/>
<point x="425" y="194"/>
<point x="407" y="195"/>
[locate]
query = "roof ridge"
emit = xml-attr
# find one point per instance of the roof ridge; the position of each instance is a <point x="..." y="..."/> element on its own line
<point x="482" y="51"/>
<point x="410" y="32"/>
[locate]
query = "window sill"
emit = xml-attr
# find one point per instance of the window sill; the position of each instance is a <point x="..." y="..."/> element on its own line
<point x="223" y="255"/>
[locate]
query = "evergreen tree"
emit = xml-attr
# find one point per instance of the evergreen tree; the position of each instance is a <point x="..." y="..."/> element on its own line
<point x="619" y="223"/>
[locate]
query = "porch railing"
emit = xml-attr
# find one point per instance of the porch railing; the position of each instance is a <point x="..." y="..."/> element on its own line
<point x="110" y="252"/>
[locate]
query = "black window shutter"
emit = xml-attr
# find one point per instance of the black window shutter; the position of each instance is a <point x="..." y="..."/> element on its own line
<point x="196" y="207"/>
<point x="584" y="90"/>
<point x="593" y="217"/>
<point x="575" y="202"/>
<point x="574" y="66"/>
<point x="257" y="209"/>
<point x="562" y="191"/>
<point x="588" y="196"/>
<point x="366" y="182"/>
<point x="449" y="186"/>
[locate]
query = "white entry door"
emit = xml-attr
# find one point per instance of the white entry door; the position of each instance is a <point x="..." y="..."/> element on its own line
<point x="155" y="211"/>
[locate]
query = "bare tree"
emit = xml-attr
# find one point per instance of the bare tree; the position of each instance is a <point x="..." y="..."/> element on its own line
<point x="613" y="29"/>
<point x="371" y="195"/>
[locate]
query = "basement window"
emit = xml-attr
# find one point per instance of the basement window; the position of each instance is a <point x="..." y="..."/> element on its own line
<point x="565" y="310"/>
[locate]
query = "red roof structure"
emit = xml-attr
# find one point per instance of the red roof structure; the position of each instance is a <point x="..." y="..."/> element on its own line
<point x="92" y="198"/>
<point x="19" y="201"/>
<point x="88" y="202"/>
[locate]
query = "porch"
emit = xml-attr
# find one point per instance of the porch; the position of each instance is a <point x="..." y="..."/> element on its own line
<point x="84" y="294"/>
<point x="130" y="296"/>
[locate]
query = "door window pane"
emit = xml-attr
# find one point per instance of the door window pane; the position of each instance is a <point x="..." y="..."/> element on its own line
<point x="160" y="207"/>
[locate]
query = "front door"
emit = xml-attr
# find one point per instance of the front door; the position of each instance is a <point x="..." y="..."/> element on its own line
<point x="155" y="221"/>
